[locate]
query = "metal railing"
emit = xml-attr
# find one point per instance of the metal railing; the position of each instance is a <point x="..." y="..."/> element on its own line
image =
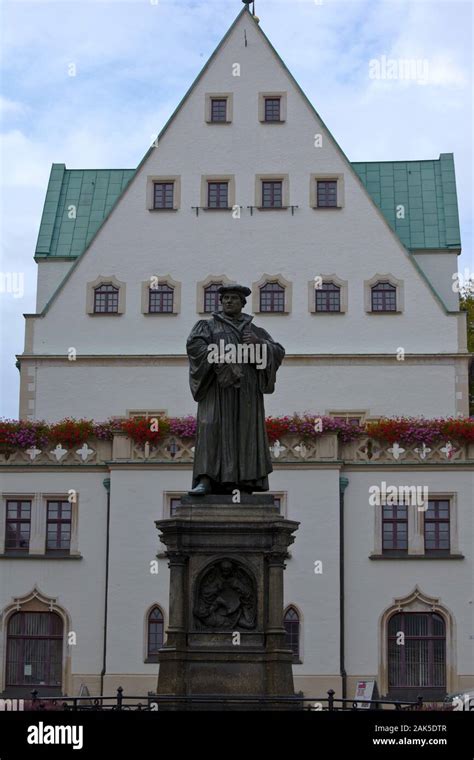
<point x="153" y="702"/>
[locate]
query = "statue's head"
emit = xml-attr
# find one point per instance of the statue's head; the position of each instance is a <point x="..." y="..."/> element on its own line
<point x="232" y="298"/>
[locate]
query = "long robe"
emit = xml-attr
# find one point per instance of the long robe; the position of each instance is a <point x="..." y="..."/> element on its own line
<point x="231" y="443"/>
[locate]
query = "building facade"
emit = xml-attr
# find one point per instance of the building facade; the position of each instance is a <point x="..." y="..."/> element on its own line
<point x="351" y="268"/>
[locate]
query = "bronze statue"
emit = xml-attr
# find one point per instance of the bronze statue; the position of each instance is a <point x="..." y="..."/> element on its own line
<point x="232" y="364"/>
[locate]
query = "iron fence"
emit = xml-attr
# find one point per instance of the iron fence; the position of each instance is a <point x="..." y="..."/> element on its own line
<point x="152" y="702"/>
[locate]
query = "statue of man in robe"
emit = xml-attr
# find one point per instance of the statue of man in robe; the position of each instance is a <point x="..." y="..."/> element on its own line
<point x="232" y="364"/>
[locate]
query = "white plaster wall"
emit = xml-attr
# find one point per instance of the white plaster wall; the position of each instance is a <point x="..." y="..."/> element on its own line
<point x="50" y="274"/>
<point x="312" y="499"/>
<point x="354" y="242"/>
<point x="371" y="585"/>
<point x="137" y="502"/>
<point x="439" y="268"/>
<point x="78" y="585"/>
<point x="390" y="388"/>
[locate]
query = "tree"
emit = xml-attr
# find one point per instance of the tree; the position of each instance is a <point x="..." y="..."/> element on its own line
<point x="466" y="303"/>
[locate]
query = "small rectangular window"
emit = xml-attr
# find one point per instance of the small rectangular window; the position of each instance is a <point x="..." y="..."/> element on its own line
<point x="326" y="195"/>
<point x="272" y="194"/>
<point x="58" y="526"/>
<point x="18" y="525"/>
<point x="394" y="528"/>
<point x="218" y="194"/>
<point x="218" y="109"/>
<point x="328" y="297"/>
<point x="212" y="301"/>
<point x="175" y="502"/>
<point x="384" y="297"/>
<point x="272" y="109"/>
<point x="161" y="299"/>
<point x="436" y="519"/>
<point x="106" y="299"/>
<point x="163" y="195"/>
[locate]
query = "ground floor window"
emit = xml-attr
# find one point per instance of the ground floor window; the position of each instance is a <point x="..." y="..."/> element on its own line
<point x="291" y="621"/>
<point x="417" y="654"/>
<point x="34" y="649"/>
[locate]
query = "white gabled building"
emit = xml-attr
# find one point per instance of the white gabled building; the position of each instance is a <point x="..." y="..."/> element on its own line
<point x="245" y="183"/>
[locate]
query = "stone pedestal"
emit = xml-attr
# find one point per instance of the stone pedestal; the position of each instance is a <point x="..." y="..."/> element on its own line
<point x="225" y="635"/>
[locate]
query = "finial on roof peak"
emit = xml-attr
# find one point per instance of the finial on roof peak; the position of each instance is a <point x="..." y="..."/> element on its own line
<point x="249" y="3"/>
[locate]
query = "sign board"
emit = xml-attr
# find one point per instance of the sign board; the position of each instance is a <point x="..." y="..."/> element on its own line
<point x="365" y="692"/>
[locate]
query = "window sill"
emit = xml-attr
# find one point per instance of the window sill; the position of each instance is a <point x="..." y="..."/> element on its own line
<point x="268" y="313"/>
<point x="401" y="555"/>
<point x="217" y="208"/>
<point x="105" y="314"/>
<point x="219" y="123"/>
<point x="384" y="313"/>
<point x="163" y="209"/>
<point x="326" y="313"/>
<point x="160" y="313"/>
<point x="272" y="208"/>
<point x="20" y="555"/>
<point x="327" y="208"/>
<point x="273" y="121"/>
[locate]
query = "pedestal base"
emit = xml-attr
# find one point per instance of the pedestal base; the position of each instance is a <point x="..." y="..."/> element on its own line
<point x="226" y="636"/>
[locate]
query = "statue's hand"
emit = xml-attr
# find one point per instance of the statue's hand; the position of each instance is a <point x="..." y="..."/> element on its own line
<point x="248" y="337"/>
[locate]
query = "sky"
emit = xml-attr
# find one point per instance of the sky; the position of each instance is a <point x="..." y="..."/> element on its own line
<point x="134" y="60"/>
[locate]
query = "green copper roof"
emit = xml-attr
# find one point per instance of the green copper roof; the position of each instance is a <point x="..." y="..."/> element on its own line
<point x="427" y="192"/>
<point x="77" y="202"/>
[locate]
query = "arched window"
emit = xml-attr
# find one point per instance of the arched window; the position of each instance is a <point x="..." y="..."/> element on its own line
<point x="34" y="650"/>
<point x="291" y="621"/>
<point x="384" y="297"/>
<point x="417" y="655"/>
<point x="106" y="299"/>
<point x="155" y="631"/>
<point x="211" y="298"/>
<point x="160" y="299"/>
<point x="328" y="297"/>
<point x="272" y="297"/>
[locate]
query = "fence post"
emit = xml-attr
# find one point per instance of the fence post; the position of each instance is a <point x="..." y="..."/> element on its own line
<point x="331" y="693"/>
<point x="119" y="698"/>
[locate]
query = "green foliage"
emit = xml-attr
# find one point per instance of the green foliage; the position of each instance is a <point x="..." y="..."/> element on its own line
<point x="466" y="303"/>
